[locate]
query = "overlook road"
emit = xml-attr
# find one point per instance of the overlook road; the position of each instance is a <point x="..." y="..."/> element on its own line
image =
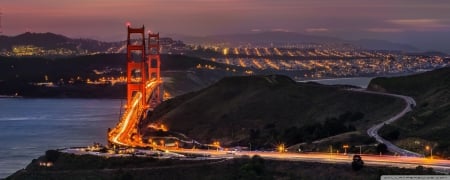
<point x="373" y="131"/>
<point x="439" y="165"/>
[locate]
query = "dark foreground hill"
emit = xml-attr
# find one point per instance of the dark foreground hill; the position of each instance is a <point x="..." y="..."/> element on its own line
<point x="429" y="123"/>
<point x="69" y="166"/>
<point x="267" y="110"/>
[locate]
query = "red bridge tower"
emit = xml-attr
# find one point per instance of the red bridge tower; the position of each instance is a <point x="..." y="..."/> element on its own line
<point x="154" y="63"/>
<point x="143" y="68"/>
<point x="136" y="68"/>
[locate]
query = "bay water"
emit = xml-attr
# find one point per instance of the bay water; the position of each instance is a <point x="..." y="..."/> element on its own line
<point x="29" y="127"/>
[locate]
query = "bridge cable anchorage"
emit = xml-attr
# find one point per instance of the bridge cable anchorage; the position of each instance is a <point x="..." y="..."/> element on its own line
<point x="143" y="86"/>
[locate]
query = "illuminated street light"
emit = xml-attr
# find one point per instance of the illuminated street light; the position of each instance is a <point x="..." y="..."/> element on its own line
<point x="162" y="143"/>
<point x="281" y="148"/>
<point x="345" y="146"/>
<point x="216" y="144"/>
<point x="431" y="151"/>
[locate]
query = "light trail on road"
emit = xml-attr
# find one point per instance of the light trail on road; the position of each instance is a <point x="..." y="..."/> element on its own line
<point x="372" y="160"/>
<point x="122" y="133"/>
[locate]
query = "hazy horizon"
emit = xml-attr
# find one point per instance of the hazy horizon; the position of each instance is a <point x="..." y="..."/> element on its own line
<point x="423" y="24"/>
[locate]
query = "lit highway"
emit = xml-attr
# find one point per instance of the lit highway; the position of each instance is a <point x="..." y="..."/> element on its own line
<point x="124" y="133"/>
<point x="372" y="160"/>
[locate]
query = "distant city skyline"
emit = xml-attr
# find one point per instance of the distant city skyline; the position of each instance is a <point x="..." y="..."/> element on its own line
<point x="425" y="24"/>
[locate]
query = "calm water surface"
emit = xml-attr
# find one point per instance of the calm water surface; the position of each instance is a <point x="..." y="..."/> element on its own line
<point x="29" y="127"/>
<point x="362" y="82"/>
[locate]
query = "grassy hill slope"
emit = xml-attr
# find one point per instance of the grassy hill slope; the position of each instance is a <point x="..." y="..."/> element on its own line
<point x="429" y="123"/>
<point x="265" y="110"/>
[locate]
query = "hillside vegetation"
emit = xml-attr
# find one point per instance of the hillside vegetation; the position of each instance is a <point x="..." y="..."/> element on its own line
<point x="429" y="123"/>
<point x="69" y="166"/>
<point x="267" y="110"/>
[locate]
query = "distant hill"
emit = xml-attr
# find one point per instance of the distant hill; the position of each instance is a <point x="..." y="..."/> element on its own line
<point x="53" y="41"/>
<point x="261" y="38"/>
<point x="375" y="44"/>
<point x="429" y="123"/>
<point x="277" y="37"/>
<point x="180" y="72"/>
<point x="266" y="110"/>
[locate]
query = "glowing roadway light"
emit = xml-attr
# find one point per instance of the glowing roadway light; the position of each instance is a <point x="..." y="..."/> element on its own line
<point x="431" y="151"/>
<point x="281" y="148"/>
<point x="271" y="64"/>
<point x="125" y="123"/>
<point x="345" y="148"/>
<point x="225" y="51"/>
<point x="236" y="51"/>
<point x="257" y="64"/>
<point x="257" y="52"/>
<point x="267" y="51"/>
<point x="285" y="64"/>
<point x="247" y="52"/>
<point x="278" y="52"/>
<point x="290" y="53"/>
<point x="127" y="118"/>
<point x="242" y="63"/>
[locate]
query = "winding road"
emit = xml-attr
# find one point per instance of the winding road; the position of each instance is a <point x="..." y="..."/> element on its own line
<point x="373" y="131"/>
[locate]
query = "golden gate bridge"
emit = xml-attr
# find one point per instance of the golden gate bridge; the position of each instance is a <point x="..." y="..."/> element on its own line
<point x="143" y="87"/>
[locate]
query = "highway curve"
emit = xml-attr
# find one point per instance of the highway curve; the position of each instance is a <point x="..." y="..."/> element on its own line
<point x="373" y="131"/>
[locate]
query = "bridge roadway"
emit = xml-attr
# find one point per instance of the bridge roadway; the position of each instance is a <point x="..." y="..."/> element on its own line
<point x="122" y="134"/>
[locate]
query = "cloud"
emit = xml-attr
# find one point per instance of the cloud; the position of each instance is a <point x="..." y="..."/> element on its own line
<point x="422" y="24"/>
<point x="385" y="30"/>
<point x="280" y="30"/>
<point x="317" y="30"/>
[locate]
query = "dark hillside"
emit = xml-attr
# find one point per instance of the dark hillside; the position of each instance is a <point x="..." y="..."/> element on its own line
<point x="271" y="109"/>
<point x="181" y="74"/>
<point x="429" y="123"/>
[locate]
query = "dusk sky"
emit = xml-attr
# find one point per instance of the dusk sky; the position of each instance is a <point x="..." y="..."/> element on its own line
<point x="420" y="22"/>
